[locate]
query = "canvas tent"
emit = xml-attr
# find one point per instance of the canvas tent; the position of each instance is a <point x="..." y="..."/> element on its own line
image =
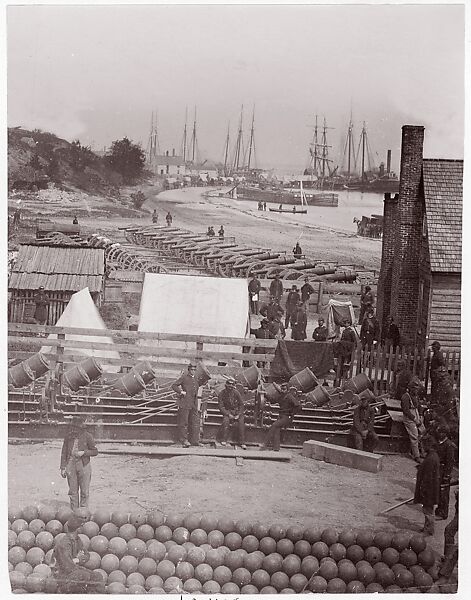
<point x="192" y="305"/>
<point x="82" y="312"/>
<point x="337" y="312"/>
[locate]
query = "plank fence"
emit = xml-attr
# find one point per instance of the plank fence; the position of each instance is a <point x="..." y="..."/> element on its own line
<point x="171" y="352"/>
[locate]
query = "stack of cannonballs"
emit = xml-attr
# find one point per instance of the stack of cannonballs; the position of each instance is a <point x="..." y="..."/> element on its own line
<point x="152" y="553"/>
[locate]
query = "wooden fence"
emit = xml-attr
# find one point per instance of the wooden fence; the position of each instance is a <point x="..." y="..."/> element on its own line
<point x="222" y="355"/>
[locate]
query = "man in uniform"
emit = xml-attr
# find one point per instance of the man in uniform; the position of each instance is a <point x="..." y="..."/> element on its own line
<point x="320" y="332"/>
<point x="186" y="386"/>
<point x="221" y="232"/>
<point x="155" y="216"/>
<point x="291" y="306"/>
<point x="402" y="378"/>
<point x="299" y="323"/>
<point x="450" y="551"/>
<point x="69" y="556"/>
<point x="169" y="219"/>
<point x="393" y="336"/>
<point x="427" y="486"/>
<point x="254" y="294"/>
<point x="367" y="300"/>
<point x="289" y="405"/>
<point x="276" y="327"/>
<point x="369" y="332"/>
<point x="363" y="430"/>
<point x="262" y="333"/>
<point x="276" y="288"/>
<point x="306" y="290"/>
<point x="297" y="251"/>
<point x="231" y="406"/>
<point x="348" y="341"/>
<point x="412" y="420"/>
<point x="42" y="306"/>
<point x="437" y="367"/>
<point x="446" y="453"/>
<point x="77" y="448"/>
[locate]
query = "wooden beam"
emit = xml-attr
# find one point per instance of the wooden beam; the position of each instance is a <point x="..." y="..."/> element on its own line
<point x="140" y="335"/>
<point x="282" y="455"/>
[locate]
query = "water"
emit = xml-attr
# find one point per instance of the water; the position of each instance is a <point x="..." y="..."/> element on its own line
<point x="351" y="204"/>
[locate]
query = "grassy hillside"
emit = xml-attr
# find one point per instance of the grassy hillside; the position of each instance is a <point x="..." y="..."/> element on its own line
<point x="36" y="158"/>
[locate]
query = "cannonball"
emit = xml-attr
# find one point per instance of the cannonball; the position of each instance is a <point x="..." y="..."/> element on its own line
<point x="163" y="533"/>
<point x="198" y="536"/>
<point x="195" y="556"/>
<point x="400" y="541"/>
<point x="418" y="543"/>
<point x="365" y="538"/>
<point x="277" y="532"/>
<point x="203" y="573"/>
<point x="211" y="587"/>
<point x="215" y="538"/>
<point x="192" y="586"/>
<point x="347" y="537"/>
<point x="191" y="521"/>
<point x="260" y="579"/>
<point x="128" y="564"/>
<point x="208" y="523"/>
<point x="317" y="584"/>
<point x="291" y="565"/>
<point x="109" y="530"/>
<point x="336" y="586"/>
<point x="382" y="540"/>
<point x="355" y="587"/>
<point x="30" y="513"/>
<point x="260" y="530"/>
<point x="117" y="546"/>
<point x="225" y="525"/>
<point x="329" y="536"/>
<point x="408" y="557"/>
<point x="320" y="550"/>
<point x="119" y="518"/>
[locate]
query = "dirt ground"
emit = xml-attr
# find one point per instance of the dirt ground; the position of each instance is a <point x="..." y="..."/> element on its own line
<point x="301" y="492"/>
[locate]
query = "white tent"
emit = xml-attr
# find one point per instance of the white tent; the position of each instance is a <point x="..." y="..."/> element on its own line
<point x="82" y="312"/>
<point x="193" y="305"/>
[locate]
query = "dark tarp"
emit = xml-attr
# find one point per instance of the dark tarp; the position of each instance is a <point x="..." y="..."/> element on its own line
<point x="293" y="356"/>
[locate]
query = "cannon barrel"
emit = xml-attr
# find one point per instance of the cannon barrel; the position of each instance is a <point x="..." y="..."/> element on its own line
<point x="341" y="276"/>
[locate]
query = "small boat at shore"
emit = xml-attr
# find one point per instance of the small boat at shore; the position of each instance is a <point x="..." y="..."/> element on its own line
<point x="294" y="211"/>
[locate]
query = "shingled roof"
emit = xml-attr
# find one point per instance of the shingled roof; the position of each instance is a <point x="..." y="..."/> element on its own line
<point x="443" y="192"/>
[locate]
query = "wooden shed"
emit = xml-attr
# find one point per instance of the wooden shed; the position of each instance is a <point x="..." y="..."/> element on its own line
<point x="443" y="197"/>
<point x="61" y="270"/>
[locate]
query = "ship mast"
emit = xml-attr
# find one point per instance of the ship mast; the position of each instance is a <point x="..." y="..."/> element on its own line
<point x="153" y="147"/>
<point x="252" y="141"/>
<point x="349" y="150"/>
<point x="226" y="151"/>
<point x="365" y="153"/>
<point x="185" y="136"/>
<point x="238" y="148"/>
<point x="193" y="140"/>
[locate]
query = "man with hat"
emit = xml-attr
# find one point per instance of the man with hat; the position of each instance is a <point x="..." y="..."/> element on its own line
<point x="427" y="486"/>
<point x="299" y="322"/>
<point x="306" y="290"/>
<point x="41" y="302"/>
<point x="291" y="305"/>
<point x="369" y="332"/>
<point x="254" y="293"/>
<point x="363" y="429"/>
<point x="77" y="448"/>
<point x="437" y="368"/>
<point x="68" y="558"/>
<point x="367" y="301"/>
<point x="262" y="333"/>
<point x="320" y="332"/>
<point x="412" y="420"/>
<point x="290" y="404"/>
<point x="276" y="288"/>
<point x="186" y="386"/>
<point x="446" y="453"/>
<point x="231" y="406"/>
<point x="402" y="377"/>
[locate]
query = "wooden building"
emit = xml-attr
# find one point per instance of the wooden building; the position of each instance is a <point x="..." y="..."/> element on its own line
<point x="61" y="270"/>
<point x="420" y="277"/>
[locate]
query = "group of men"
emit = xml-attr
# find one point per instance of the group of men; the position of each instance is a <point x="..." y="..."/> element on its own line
<point x="231" y="406"/>
<point x="294" y="313"/>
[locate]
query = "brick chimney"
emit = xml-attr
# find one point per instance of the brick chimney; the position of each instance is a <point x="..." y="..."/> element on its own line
<point x="383" y="304"/>
<point x="408" y="234"/>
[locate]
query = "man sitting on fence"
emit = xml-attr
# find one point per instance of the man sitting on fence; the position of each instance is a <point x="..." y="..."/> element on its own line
<point x="363" y="430"/>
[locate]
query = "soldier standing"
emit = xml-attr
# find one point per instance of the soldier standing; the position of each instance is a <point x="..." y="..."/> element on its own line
<point x="188" y="423"/>
<point x="231" y="406"/>
<point x="77" y="448"/>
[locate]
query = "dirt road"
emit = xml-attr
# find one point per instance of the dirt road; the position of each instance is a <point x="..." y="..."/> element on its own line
<point x="303" y="492"/>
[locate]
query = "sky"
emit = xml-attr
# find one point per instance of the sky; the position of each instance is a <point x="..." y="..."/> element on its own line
<point x="96" y="73"/>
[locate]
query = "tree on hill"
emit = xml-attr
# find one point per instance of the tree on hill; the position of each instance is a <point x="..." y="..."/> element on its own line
<point x="126" y="158"/>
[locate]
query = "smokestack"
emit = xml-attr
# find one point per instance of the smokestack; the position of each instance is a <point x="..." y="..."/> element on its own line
<point x="173" y="151"/>
<point x="388" y="162"/>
